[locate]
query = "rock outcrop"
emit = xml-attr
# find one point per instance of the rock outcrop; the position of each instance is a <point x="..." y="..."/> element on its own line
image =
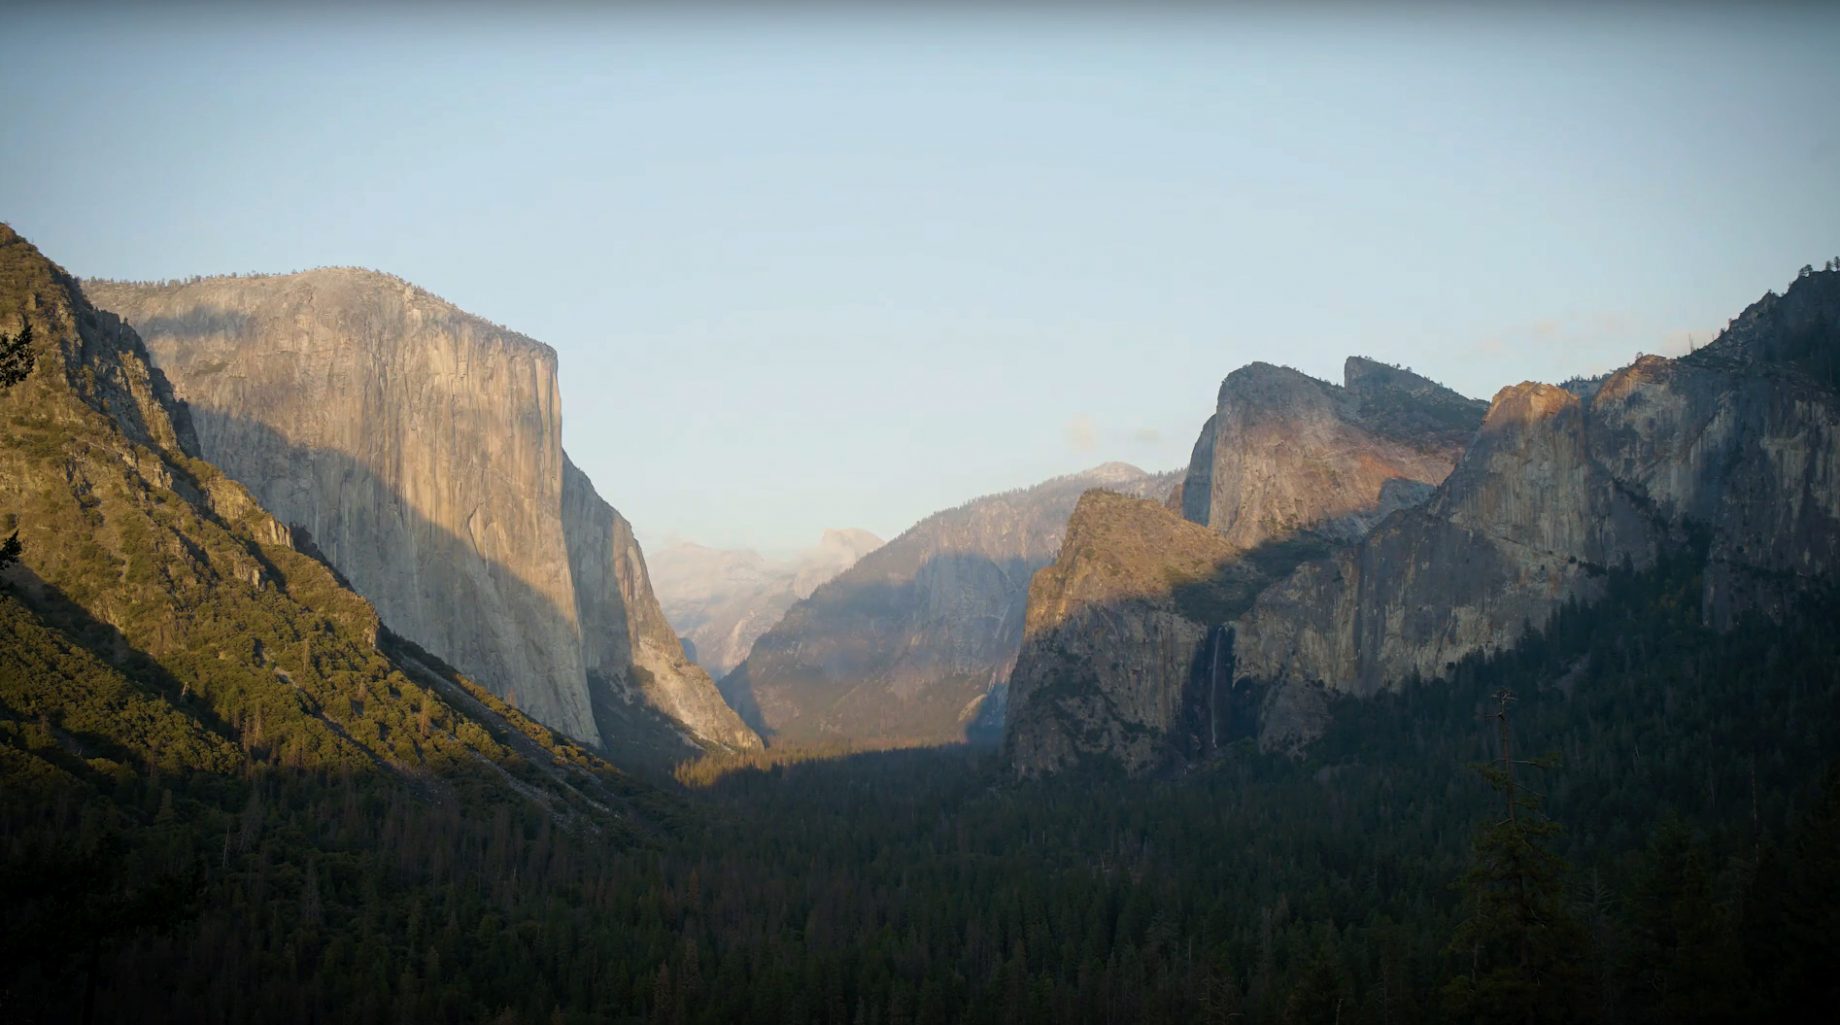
<point x="910" y="643"/>
<point x="1126" y="656"/>
<point x="421" y="449"/>
<point x="722" y="600"/>
<point x="1285" y="453"/>
<point x="1729" y="455"/>
<point x="1119" y="651"/>
<point x="634" y="660"/>
<point x="1732" y="448"/>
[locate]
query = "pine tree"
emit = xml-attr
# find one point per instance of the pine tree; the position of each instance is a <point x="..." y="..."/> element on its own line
<point x="1791" y="919"/>
<point x="16" y="357"/>
<point x="1677" y="964"/>
<point x="1519" y="948"/>
<point x="16" y="360"/>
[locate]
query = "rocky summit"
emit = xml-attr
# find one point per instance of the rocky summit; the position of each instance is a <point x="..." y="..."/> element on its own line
<point x="915" y="642"/>
<point x="420" y="449"/>
<point x="1124" y="656"/>
<point x="1286" y="454"/>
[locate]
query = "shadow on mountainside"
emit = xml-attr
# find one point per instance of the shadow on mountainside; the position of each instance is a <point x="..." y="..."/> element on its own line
<point x="1133" y="652"/>
<point x="879" y="685"/>
<point x="887" y="663"/>
<point x="131" y="808"/>
<point x="73" y="624"/>
<point x="340" y="479"/>
<point x="103" y="706"/>
<point x="153" y="678"/>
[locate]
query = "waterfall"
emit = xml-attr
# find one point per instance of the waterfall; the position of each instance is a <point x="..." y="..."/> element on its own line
<point x="1214" y="690"/>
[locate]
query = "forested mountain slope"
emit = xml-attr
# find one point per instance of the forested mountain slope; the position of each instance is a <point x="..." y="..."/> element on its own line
<point x="193" y="708"/>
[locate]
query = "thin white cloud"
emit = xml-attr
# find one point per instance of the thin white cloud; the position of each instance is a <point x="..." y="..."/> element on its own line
<point x="1081" y="433"/>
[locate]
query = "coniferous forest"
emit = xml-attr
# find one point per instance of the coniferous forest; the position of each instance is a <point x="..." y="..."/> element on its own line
<point x="1670" y="857"/>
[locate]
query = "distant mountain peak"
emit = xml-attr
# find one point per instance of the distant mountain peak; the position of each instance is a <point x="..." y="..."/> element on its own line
<point x="849" y="537"/>
<point x="722" y="599"/>
<point x="1113" y="471"/>
<point x="1527" y="402"/>
<point x="911" y="643"/>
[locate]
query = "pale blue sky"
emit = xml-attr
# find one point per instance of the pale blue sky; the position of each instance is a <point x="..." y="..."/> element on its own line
<point x="821" y="270"/>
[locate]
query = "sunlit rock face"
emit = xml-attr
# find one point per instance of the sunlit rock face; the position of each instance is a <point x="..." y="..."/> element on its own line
<point x="1436" y="544"/>
<point x="421" y="447"/>
<point x="1732" y="448"/>
<point x="1285" y="452"/>
<point x="1126" y="658"/>
<point x="914" y="643"/>
<point x="722" y="600"/>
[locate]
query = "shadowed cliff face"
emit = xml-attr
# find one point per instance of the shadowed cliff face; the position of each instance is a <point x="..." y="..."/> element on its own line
<point x="1127" y="658"/>
<point x="421" y="447"/>
<point x="1733" y="452"/>
<point x="1126" y="608"/>
<point x="162" y="621"/>
<point x="911" y="642"/>
<point x="1736" y="448"/>
<point x="628" y="646"/>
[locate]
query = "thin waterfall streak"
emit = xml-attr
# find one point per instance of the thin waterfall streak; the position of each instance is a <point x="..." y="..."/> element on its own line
<point x="1214" y="695"/>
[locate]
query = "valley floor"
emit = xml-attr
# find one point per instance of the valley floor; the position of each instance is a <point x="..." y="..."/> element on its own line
<point x="1690" y="874"/>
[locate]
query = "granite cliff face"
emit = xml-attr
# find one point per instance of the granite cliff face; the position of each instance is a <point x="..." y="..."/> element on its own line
<point x="420" y="447"/>
<point x="1285" y="453"/>
<point x="1118" y="650"/>
<point x="1529" y="519"/>
<point x="634" y="661"/>
<point x="910" y="642"/>
<point x="1733" y="448"/>
<point x="722" y="600"/>
<point x="1730" y="452"/>
<point x="161" y="620"/>
<point x="1125" y="656"/>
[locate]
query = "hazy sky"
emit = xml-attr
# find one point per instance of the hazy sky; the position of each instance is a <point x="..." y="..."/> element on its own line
<point x="810" y="270"/>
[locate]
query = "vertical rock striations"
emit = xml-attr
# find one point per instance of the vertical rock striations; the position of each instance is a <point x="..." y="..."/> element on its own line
<point x="632" y="656"/>
<point x="420" y="446"/>
<point x="1119" y="648"/>
<point x="1126" y="657"/>
<point x="1285" y="453"/>
<point x="1731" y="454"/>
<point x="161" y="624"/>
<point x="1732" y="449"/>
<point x="910" y="643"/>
